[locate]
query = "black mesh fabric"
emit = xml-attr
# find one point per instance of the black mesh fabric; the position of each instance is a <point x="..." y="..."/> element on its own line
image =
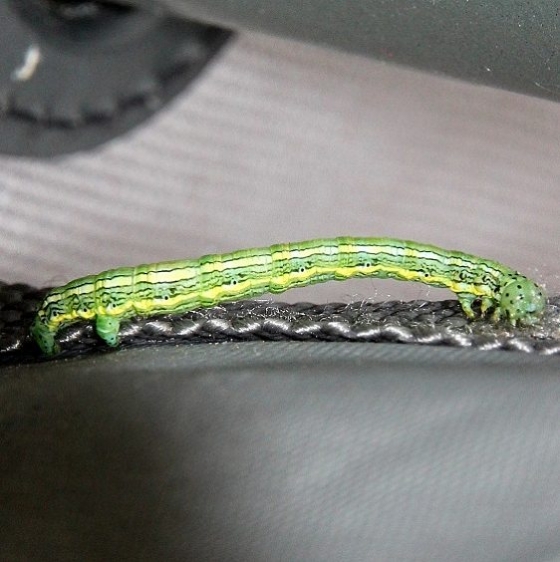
<point x="415" y="322"/>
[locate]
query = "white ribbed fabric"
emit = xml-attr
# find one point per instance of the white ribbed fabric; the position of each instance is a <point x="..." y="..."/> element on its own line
<point x="282" y="141"/>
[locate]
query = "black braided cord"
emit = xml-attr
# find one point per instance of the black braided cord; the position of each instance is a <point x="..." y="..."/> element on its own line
<point x="414" y="322"/>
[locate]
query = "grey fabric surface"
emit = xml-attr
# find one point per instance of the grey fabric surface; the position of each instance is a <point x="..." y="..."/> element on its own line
<point x="282" y="141"/>
<point x="282" y="452"/>
<point x="288" y="451"/>
<point x="510" y="44"/>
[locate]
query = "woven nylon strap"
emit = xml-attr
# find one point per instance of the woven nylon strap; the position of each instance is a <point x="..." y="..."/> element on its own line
<point x="414" y="322"/>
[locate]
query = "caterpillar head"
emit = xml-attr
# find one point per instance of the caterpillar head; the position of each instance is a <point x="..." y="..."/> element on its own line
<point x="522" y="301"/>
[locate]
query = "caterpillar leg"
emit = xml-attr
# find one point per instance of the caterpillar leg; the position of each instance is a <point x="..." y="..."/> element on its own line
<point x="497" y="314"/>
<point x="44" y="337"/>
<point x="486" y="304"/>
<point x="466" y="301"/>
<point x="107" y="328"/>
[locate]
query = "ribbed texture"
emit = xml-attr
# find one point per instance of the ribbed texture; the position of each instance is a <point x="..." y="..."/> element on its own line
<point x="417" y="322"/>
<point x="280" y="141"/>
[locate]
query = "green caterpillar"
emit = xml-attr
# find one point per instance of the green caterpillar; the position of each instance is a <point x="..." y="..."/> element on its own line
<point x="179" y="286"/>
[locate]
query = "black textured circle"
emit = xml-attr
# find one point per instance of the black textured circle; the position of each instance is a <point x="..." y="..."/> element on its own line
<point x="74" y="74"/>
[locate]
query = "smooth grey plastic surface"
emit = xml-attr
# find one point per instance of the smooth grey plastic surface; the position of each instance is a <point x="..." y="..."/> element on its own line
<point x="282" y="451"/>
<point x="512" y="44"/>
